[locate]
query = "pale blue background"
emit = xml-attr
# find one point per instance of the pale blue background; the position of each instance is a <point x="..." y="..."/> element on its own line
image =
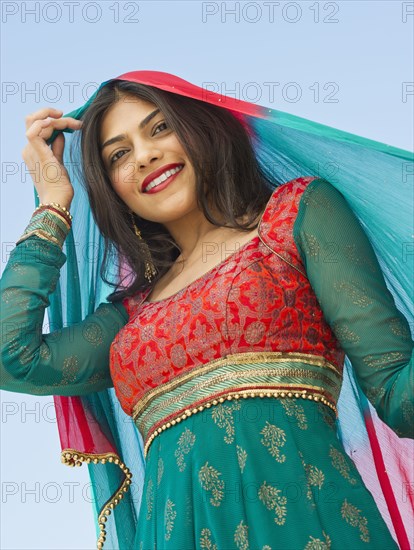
<point x="367" y="54"/>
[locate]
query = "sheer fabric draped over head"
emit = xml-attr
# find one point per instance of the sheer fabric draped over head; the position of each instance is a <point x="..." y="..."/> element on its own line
<point x="376" y="180"/>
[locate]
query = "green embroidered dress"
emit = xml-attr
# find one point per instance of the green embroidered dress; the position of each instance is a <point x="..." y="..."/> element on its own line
<point x="233" y="381"/>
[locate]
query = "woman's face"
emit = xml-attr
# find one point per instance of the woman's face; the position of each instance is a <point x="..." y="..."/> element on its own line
<point x="146" y="163"/>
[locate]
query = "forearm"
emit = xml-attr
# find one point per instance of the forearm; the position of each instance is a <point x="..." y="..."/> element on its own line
<point x="345" y="274"/>
<point x="70" y="361"/>
<point x="29" y="278"/>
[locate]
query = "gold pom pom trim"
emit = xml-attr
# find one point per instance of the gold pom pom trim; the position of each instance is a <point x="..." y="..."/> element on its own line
<point x="71" y="457"/>
<point x="312" y="395"/>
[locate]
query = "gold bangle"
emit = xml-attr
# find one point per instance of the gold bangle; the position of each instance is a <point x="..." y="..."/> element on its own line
<point x="42" y="235"/>
<point x="62" y="209"/>
<point x="54" y="212"/>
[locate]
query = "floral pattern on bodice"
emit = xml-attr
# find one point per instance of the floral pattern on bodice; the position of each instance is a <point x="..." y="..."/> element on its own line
<point x="258" y="299"/>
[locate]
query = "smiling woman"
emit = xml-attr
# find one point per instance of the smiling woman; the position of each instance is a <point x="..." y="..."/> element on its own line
<point x="138" y="162"/>
<point x="144" y="132"/>
<point x="231" y="386"/>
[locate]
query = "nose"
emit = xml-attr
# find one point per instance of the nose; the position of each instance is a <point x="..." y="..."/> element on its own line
<point x="146" y="154"/>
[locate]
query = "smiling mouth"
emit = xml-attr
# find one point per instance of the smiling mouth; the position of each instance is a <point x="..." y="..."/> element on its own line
<point x="163" y="177"/>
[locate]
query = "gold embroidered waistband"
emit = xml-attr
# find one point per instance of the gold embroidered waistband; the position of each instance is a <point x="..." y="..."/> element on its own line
<point x="264" y="374"/>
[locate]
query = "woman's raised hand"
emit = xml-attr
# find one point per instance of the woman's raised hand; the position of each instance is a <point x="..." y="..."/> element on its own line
<point x="45" y="163"/>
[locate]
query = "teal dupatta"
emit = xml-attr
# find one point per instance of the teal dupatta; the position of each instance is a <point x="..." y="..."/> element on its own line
<point x="376" y="179"/>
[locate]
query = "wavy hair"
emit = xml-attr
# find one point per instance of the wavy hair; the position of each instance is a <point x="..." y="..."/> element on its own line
<point x="229" y="180"/>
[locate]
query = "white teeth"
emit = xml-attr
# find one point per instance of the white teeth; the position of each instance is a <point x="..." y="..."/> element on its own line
<point x="163" y="177"/>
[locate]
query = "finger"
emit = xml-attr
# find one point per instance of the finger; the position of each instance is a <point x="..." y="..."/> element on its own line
<point x="37" y="147"/>
<point x="41" y="114"/>
<point x="53" y="128"/>
<point x="44" y="128"/>
<point x="58" y="147"/>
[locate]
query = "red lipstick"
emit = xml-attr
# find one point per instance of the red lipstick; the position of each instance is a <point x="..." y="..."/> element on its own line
<point x="151" y="177"/>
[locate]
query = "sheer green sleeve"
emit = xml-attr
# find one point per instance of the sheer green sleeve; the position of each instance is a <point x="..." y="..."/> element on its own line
<point x="348" y="282"/>
<point x="71" y="361"/>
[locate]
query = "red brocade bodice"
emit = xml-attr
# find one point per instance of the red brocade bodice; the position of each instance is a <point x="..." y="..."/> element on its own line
<point x="257" y="299"/>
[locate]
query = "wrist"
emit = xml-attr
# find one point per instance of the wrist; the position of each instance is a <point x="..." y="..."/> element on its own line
<point x="58" y="209"/>
<point x="64" y="203"/>
<point x="50" y="222"/>
<point x="64" y="200"/>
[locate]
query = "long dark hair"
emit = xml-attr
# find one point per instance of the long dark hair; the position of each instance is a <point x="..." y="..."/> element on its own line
<point x="229" y="180"/>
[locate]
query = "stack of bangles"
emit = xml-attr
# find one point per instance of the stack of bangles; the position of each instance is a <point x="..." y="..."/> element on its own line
<point x="50" y="222"/>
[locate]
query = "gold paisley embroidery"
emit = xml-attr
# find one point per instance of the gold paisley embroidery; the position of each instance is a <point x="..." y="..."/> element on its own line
<point x="169" y="518"/>
<point x="339" y="462"/>
<point x="308" y="196"/>
<point x="273" y="439"/>
<point x="318" y="544"/>
<point x="18" y="268"/>
<point x="241" y="457"/>
<point x="292" y="408"/>
<point x="92" y="333"/>
<point x="150" y="498"/>
<point x="70" y="369"/>
<point x="16" y="334"/>
<point x="351" y="253"/>
<point x="209" y="479"/>
<point x="399" y="328"/>
<point x="205" y="540"/>
<point x="44" y="351"/>
<point x="375" y="361"/>
<point x="353" y="516"/>
<point x="240" y="536"/>
<point x="266" y="547"/>
<point x="14" y="347"/>
<point x="273" y="501"/>
<point x="25" y="356"/>
<point x="314" y="477"/>
<point x="310" y="245"/>
<point x="185" y="443"/>
<point x="160" y="471"/>
<point x="17" y="296"/>
<point x="223" y="417"/>
<point x="358" y="296"/>
<point x="313" y="196"/>
<point x="344" y="334"/>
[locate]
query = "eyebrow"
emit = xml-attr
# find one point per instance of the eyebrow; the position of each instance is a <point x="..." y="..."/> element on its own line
<point x="120" y="137"/>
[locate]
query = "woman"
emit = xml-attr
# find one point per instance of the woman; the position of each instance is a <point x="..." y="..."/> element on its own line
<point x="225" y="338"/>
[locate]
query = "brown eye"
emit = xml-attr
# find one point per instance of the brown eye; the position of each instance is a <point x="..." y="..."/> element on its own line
<point x="162" y="126"/>
<point x="116" y="156"/>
